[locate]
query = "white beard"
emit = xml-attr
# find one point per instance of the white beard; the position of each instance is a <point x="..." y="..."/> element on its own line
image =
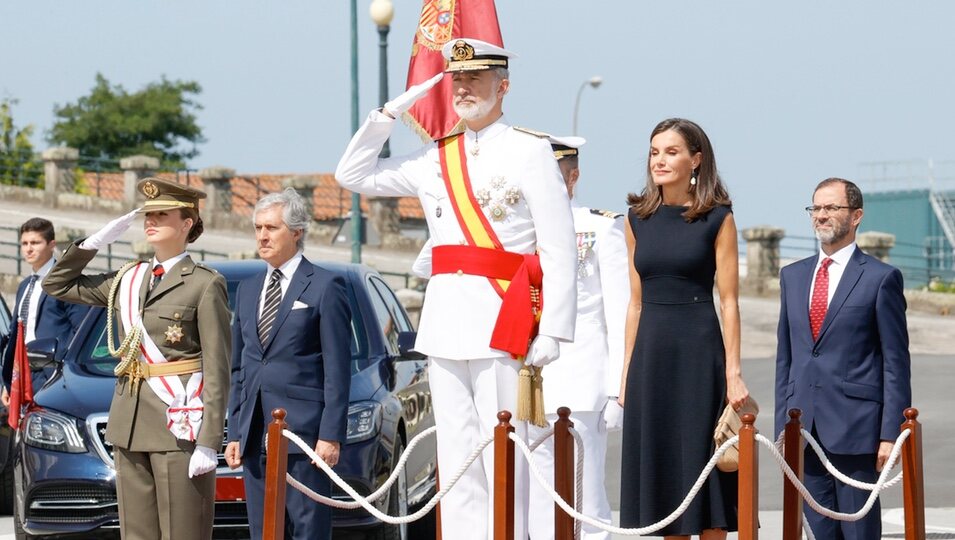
<point x="474" y="111"/>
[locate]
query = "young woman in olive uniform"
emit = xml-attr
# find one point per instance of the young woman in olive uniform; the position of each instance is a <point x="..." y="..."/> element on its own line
<point x="172" y="318"/>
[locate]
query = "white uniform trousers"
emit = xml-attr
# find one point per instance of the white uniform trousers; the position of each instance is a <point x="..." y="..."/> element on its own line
<point x="467" y="395"/>
<point x="592" y="430"/>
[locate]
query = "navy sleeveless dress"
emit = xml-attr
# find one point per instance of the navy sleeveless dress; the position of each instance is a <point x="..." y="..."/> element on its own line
<point x="676" y="382"/>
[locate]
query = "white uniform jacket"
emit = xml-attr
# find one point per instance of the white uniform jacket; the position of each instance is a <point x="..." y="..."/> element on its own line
<point x="589" y="369"/>
<point x="515" y="176"/>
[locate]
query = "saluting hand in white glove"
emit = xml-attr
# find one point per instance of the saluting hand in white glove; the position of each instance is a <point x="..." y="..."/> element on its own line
<point x="402" y="103"/>
<point x="110" y="232"/>
<point x="543" y="350"/>
<point x="203" y="460"/>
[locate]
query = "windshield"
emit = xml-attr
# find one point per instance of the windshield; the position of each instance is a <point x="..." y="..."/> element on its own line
<point x="94" y="357"/>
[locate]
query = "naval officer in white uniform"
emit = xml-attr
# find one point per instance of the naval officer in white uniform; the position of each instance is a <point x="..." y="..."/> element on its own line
<point x="517" y="197"/>
<point x="586" y="378"/>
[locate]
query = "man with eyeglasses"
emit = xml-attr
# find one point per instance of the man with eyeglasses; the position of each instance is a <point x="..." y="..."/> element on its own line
<point x="842" y="359"/>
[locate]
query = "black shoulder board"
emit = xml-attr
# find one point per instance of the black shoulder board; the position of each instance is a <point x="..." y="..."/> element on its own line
<point x="605" y="213"/>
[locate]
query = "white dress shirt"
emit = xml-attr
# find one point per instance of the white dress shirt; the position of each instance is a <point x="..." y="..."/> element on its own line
<point x="288" y="270"/>
<point x="33" y="310"/>
<point x="838" y="266"/>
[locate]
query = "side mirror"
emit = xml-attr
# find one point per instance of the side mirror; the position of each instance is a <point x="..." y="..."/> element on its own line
<point x="406" y="346"/>
<point x="41" y="353"/>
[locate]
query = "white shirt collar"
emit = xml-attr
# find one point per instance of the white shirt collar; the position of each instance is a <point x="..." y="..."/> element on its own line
<point x="170" y="262"/>
<point x="499" y="126"/>
<point x="45" y="269"/>
<point x="840" y="257"/>
<point x="288" y="268"/>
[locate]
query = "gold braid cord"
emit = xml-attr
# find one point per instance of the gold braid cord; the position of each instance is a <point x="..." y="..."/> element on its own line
<point x="530" y="383"/>
<point x="128" y="351"/>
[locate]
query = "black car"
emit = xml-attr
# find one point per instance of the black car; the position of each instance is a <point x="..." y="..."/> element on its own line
<point x="64" y="467"/>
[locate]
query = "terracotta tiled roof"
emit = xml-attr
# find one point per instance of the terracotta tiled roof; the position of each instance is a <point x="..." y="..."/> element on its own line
<point x="330" y="200"/>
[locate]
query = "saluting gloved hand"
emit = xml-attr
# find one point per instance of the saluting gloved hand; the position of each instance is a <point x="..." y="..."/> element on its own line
<point x="404" y="102"/>
<point x="543" y="350"/>
<point x="613" y="415"/>
<point x="203" y="460"/>
<point x="110" y="232"/>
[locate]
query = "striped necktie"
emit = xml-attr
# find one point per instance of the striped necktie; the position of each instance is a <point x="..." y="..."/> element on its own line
<point x="25" y="302"/>
<point x="273" y="297"/>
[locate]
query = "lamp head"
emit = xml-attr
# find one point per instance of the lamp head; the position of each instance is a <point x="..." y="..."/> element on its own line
<point x="596" y="81"/>
<point x="382" y="12"/>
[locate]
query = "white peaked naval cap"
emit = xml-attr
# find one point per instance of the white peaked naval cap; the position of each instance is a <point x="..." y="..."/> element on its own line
<point x="466" y="54"/>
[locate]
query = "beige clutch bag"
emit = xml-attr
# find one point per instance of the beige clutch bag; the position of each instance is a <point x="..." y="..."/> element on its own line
<point x="728" y="427"/>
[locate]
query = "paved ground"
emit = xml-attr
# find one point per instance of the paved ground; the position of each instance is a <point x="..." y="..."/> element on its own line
<point x="933" y="349"/>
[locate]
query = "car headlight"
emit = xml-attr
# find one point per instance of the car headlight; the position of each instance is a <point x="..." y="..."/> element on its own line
<point x="364" y="419"/>
<point x="53" y="431"/>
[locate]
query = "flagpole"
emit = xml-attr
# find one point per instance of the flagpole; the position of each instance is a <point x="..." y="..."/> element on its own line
<point x="355" y="198"/>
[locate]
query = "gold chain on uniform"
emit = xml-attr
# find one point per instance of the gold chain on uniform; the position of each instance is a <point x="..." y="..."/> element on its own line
<point x="128" y="351"/>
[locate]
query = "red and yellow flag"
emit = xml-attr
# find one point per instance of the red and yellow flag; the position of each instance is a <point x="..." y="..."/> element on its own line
<point x="21" y="384"/>
<point x="441" y="21"/>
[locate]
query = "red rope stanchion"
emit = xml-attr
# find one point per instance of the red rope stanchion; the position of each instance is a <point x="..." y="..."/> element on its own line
<point x="503" y="478"/>
<point x="748" y="480"/>
<point x="792" y="500"/>
<point x="563" y="473"/>
<point x="276" y="467"/>
<point x="913" y="482"/>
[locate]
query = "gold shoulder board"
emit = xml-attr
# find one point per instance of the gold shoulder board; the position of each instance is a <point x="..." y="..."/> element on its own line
<point x="605" y="213"/>
<point x="534" y="132"/>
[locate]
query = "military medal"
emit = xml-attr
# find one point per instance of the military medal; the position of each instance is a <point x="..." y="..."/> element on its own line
<point x="437" y="212"/>
<point x="174" y="333"/>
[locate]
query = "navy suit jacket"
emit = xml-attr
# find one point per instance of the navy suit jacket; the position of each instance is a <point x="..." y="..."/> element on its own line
<point x="54" y="318"/>
<point x="304" y="365"/>
<point x="853" y="382"/>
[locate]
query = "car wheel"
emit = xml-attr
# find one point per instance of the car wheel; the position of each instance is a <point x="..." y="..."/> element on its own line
<point x="397" y="501"/>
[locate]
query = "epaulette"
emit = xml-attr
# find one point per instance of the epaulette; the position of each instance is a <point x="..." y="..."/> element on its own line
<point x="534" y="132"/>
<point x="207" y="268"/>
<point x="605" y="213"/>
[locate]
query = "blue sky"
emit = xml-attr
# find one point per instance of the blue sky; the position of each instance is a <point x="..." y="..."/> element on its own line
<point x="789" y="93"/>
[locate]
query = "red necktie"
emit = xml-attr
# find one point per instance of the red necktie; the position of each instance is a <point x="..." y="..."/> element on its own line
<point x="157" y="275"/>
<point x="820" y="298"/>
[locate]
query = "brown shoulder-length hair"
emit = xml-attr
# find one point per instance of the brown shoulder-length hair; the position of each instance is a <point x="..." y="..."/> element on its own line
<point x="709" y="191"/>
<point x="196" y="231"/>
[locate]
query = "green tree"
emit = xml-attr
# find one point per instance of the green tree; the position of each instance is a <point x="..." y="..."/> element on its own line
<point x="111" y="123"/>
<point x="18" y="163"/>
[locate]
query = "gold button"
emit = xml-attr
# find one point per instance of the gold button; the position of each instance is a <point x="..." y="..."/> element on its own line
<point x="460" y="272"/>
<point x="176" y="316"/>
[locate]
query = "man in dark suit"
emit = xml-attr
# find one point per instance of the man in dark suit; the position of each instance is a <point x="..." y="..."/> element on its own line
<point x="291" y="349"/>
<point x="843" y="359"/>
<point x="43" y="316"/>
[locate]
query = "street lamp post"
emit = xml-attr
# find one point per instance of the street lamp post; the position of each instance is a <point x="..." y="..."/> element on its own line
<point x="355" y="198"/>
<point x="382" y="12"/>
<point x="595" y="82"/>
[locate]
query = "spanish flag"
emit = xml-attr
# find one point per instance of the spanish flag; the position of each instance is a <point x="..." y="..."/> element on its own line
<point x="21" y="384"/>
<point x="441" y="21"/>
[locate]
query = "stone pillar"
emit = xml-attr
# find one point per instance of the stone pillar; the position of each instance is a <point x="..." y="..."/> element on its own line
<point x="384" y="217"/>
<point x="58" y="165"/>
<point x="217" y="184"/>
<point x="304" y="186"/>
<point x="135" y="168"/>
<point x="877" y="244"/>
<point x="412" y="301"/>
<point x="762" y="259"/>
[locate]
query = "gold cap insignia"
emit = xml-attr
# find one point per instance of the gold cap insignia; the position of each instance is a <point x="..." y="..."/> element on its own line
<point x="462" y="51"/>
<point x="150" y="190"/>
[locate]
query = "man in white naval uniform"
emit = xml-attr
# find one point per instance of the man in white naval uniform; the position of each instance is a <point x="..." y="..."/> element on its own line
<point x="586" y="378"/>
<point x="516" y="184"/>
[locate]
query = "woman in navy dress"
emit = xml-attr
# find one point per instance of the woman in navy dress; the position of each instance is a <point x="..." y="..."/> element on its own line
<point x="683" y="367"/>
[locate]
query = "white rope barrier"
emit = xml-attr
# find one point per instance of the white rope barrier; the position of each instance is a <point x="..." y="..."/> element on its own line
<point x="363" y="502"/>
<point x="578" y="480"/>
<point x="838" y="474"/>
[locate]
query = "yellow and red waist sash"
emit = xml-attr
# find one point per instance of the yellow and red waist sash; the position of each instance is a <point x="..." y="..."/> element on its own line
<point x="517" y="321"/>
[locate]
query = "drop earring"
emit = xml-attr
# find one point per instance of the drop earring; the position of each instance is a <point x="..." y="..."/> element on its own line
<point x="693" y="178"/>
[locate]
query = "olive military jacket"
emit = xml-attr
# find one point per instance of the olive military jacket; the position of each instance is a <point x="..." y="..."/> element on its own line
<point x="190" y="295"/>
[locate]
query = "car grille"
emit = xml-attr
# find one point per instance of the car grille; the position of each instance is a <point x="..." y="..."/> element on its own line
<point x="97" y="426"/>
<point x="72" y="503"/>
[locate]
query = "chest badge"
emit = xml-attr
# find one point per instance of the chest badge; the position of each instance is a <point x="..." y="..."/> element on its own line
<point x="498" y="198"/>
<point x="585" y="246"/>
<point x="174" y="333"/>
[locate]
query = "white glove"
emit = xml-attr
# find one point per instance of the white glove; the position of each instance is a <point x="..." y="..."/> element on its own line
<point x="543" y="350"/>
<point x="613" y="415"/>
<point x="404" y="102"/>
<point x="203" y="460"/>
<point x="110" y="233"/>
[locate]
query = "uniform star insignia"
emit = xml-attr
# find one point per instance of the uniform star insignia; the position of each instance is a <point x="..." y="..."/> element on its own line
<point x="174" y="333"/>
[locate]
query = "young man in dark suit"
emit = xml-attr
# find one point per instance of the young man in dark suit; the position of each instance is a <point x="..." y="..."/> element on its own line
<point x="43" y="316"/>
<point x="843" y="359"/>
<point x="291" y="349"/>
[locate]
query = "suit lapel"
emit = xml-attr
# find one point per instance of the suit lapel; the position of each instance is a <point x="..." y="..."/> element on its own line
<point x="801" y="292"/>
<point x="171" y="279"/>
<point x="39" y="304"/>
<point x="850" y="276"/>
<point x="296" y="287"/>
<point x="252" y="301"/>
